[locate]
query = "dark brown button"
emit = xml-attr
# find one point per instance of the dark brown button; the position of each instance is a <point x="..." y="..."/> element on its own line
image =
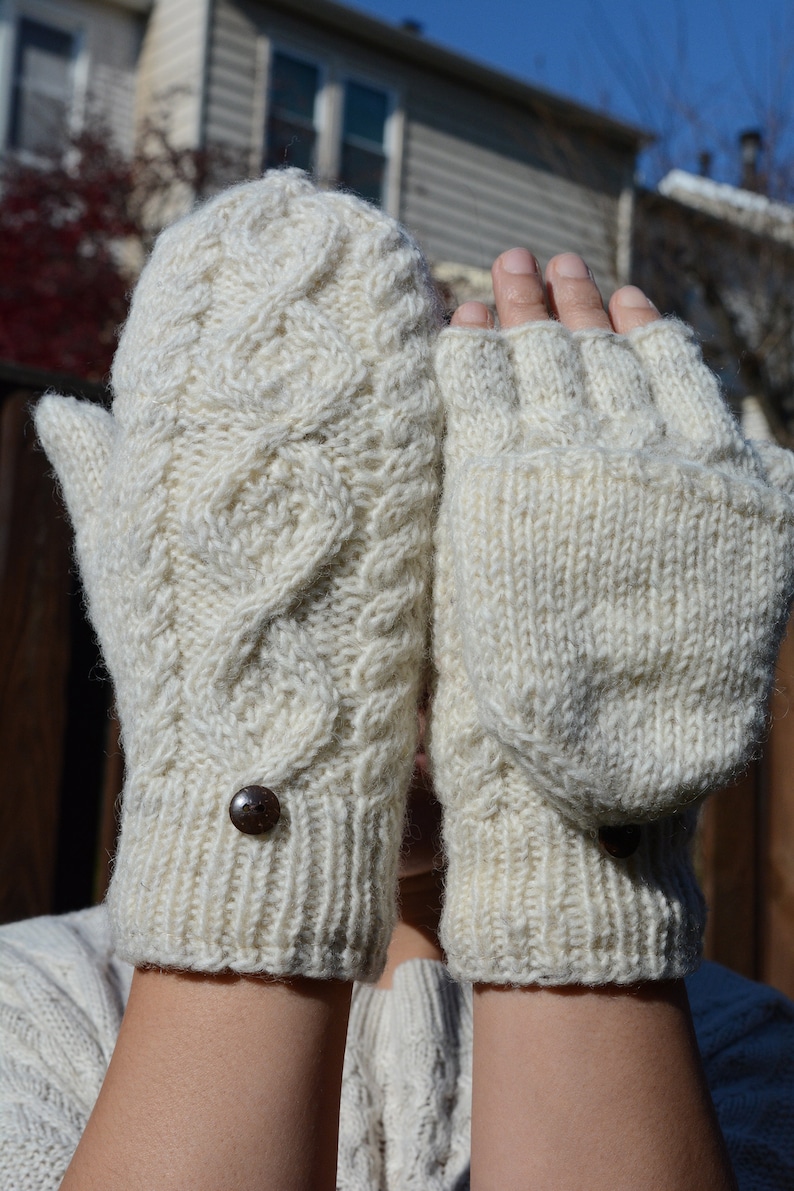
<point x="254" y="810"/>
<point x="620" y="842"/>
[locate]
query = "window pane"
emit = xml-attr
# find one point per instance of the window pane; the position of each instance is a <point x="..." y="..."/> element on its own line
<point x="39" y="125"/>
<point x="365" y="114"/>
<point x="362" y="172"/>
<point x="291" y="133"/>
<point x="293" y="86"/>
<point x="289" y="144"/>
<point x="363" y="163"/>
<point x="42" y="85"/>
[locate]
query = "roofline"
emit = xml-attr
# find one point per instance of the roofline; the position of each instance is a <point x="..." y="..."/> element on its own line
<point x="415" y="48"/>
<point x="700" y="216"/>
<point x="696" y="191"/>
<point x="142" y="6"/>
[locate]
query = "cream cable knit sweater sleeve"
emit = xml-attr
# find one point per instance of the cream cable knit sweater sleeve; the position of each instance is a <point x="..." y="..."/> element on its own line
<point x="614" y="568"/>
<point x="406" y="1092"/>
<point x="253" y="526"/>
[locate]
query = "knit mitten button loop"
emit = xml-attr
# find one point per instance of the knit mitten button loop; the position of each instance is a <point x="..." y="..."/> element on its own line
<point x="620" y="842"/>
<point x="255" y="810"/>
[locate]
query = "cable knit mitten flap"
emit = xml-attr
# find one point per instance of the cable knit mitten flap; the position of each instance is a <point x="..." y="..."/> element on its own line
<point x="615" y="568"/>
<point x="253" y="526"/>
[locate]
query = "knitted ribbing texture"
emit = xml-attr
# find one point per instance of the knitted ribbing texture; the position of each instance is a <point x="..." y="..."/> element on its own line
<point x="614" y="569"/>
<point x="253" y="527"/>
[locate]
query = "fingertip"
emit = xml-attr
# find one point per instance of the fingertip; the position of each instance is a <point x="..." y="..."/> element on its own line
<point x="519" y="262"/>
<point x="472" y="314"/>
<point x="629" y="308"/>
<point x="569" y="265"/>
<point x="574" y="297"/>
<point x="518" y="289"/>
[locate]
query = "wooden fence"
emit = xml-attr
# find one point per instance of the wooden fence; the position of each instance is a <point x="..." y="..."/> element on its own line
<point x="61" y="768"/>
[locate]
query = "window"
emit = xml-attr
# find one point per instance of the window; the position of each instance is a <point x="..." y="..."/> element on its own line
<point x="335" y="127"/>
<point x="42" y="85"/>
<point x="292" y="127"/>
<point x="363" y="159"/>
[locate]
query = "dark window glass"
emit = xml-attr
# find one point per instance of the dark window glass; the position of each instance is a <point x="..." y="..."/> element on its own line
<point x="365" y="113"/>
<point x="42" y="88"/>
<point x="363" y="162"/>
<point x="291" y="132"/>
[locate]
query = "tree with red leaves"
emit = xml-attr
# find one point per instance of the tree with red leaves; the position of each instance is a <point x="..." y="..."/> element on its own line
<point x="75" y="226"/>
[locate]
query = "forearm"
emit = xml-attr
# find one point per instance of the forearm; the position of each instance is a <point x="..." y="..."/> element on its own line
<point x="589" y="1088"/>
<point x="219" y="1082"/>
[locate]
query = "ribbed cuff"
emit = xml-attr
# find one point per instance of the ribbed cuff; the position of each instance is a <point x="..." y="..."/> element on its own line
<point x="532" y="900"/>
<point x="315" y="897"/>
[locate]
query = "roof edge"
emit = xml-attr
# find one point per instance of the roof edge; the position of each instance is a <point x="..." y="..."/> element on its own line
<point x="415" y="48"/>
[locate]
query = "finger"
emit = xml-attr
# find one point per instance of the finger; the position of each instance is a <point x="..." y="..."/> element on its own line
<point x="476" y="380"/>
<point x="77" y="437"/>
<point x="618" y="392"/>
<point x="629" y="308"/>
<point x="518" y="289"/>
<point x="550" y="383"/>
<point x="472" y="314"/>
<point x="686" y="392"/>
<point x="573" y="294"/>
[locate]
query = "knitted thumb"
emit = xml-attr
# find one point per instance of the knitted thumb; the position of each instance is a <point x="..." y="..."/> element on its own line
<point x="77" y="437"/>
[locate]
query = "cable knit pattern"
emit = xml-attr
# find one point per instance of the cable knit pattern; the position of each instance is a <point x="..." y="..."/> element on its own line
<point x="62" y="996"/>
<point x="614" y="569"/>
<point x="406" y="1091"/>
<point x="253" y="525"/>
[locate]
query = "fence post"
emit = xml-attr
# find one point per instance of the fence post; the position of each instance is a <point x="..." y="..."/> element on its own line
<point x="777" y="857"/>
<point x="34" y="657"/>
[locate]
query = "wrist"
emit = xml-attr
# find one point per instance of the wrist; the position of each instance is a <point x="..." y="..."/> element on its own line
<point x="416" y="934"/>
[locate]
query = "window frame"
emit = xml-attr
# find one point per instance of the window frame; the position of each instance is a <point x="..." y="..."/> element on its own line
<point x="334" y="72"/>
<point x="391" y="143"/>
<point x="321" y="112"/>
<point x="62" y="21"/>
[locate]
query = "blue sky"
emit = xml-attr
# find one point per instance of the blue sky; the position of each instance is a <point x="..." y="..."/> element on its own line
<point x="708" y="68"/>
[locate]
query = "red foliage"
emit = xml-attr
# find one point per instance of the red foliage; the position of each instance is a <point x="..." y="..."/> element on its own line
<point x="64" y="221"/>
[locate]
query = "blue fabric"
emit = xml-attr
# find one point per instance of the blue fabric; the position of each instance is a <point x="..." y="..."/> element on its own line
<point x="745" y="1032"/>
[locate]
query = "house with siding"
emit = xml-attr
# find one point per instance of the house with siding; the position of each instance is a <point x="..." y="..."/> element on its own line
<point x="470" y="159"/>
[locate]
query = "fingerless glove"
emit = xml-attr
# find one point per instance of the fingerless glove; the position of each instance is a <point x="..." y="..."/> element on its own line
<point x="614" y="569"/>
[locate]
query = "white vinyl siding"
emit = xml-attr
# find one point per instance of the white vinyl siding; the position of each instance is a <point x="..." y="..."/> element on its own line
<point x="173" y="72"/>
<point x="469" y="172"/>
<point x="467" y="204"/>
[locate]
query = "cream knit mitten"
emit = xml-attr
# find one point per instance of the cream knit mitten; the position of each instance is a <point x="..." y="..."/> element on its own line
<point x="614" y="568"/>
<point x="253" y="527"/>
